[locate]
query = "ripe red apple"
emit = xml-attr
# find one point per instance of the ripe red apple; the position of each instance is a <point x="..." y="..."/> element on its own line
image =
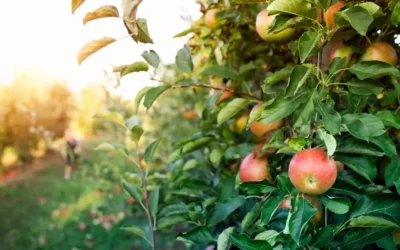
<point x="315" y="201"/>
<point x="262" y="26"/>
<point x="339" y="166"/>
<point x="381" y="51"/>
<point x="254" y="169"/>
<point x="340" y="50"/>
<point x="211" y="18"/>
<point x="330" y="14"/>
<point x="259" y="129"/>
<point x="225" y="94"/>
<point x="312" y="172"/>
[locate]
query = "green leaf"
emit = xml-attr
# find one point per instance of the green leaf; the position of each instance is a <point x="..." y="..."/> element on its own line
<point x="221" y="71"/>
<point x="369" y="69"/>
<point x="356" y="146"/>
<point x="227" y="188"/>
<point x="322" y="237"/>
<point x="361" y="164"/>
<point x="242" y="241"/>
<point x="153" y="93"/>
<point x="300" y="217"/>
<point x="251" y="216"/>
<point x="293" y="7"/>
<point x="307" y="110"/>
<point x="216" y="157"/>
<point x="184" y="33"/>
<point x="392" y="171"/>
<point x="357" y="17"/>
<point x="198" y="236"/>
<point x="143" y="35"/>
<point x="136" y="132"/>
<point x="269" y="235"/>
<point x="331" y="117"/>
<point x="387" y="243"/>
<point x="223" y="242"/>
<point x="283" y="22"/>
<point x="170" y="221"/>
<point x="308" y="44"/>
<point x="183" y="60"/>
<point x="395" y="17"/>
<point x="139" y="97"/>
<point x="153" y="201"/>
<point x="353" y="178"/>
<point x="336" y="205"/>
<point x="371" y="221"/>
<point x="337" y="63"/>
<point x="297" y="144"/>
<point x="189" y="147"/>
<point x="297" y="78"/>
<point x="134" y="67"/>
<point x="373" y="9"/>
<point x="389" y="118"/>
<point x="150" y="150"/>
<point x="364" y="87"/>
<point x="151" y="58"/>
<point x="170" y="209"/>
<point x="223" y="209"/>
<point x="285" y="185"/>
<point x="363" y="126"/>
<point x="238" y="151"/>
<point x="280" y="75"/>
<point x="137" y="231"/>
<point x="231" y="109"/>
<point x="385" y="143"/>
<point x="133" y="190"/>
<point x="257" y="187"/>
<point x="329" y="140"/>
<point x="358" y="237"/>
<point x="377" y="204"/>
<point x="112" y="147"/>
<point x="269" y="208"/>
<point x="281" y="108"/>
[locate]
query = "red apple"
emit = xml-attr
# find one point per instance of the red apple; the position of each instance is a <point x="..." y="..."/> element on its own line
<point x="312" y="172"/>
<point x="259" y="129"/>
<point x="254" y="169"/>
<point x="315" y="201"/>
<point x="330" y="14"/>
<point x="225" y="94"/>
<point x="211" y="18"/>
<point x="262" y="26"/>
<point x="340" y="50"/>
<point x="381" y="51"/>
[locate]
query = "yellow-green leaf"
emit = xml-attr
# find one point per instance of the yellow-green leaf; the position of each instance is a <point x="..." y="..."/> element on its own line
<point x="134" y="67"/>
<point x="101" y="12"/>
<point x="92" y="47"/>
<point x="111" y="116"/>
<point x="75" y="4"/>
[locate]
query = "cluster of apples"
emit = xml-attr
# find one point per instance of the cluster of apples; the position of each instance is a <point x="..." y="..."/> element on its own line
<point x="377" y="51"/>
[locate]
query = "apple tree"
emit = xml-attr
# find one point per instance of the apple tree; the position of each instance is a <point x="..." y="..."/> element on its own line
<point x="298" y="129"/>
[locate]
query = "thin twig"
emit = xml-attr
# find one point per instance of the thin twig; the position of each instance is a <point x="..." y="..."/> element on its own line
<point x="146" y="201"/>
<point x="382" y="189"/>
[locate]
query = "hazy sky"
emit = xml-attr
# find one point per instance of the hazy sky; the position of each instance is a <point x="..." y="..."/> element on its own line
<point x="44" y="34"/>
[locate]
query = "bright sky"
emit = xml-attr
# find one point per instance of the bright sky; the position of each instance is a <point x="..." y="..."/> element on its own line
<point x="45" y="35"/>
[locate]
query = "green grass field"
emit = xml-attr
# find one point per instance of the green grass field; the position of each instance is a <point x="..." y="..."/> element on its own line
<point x="46" y="212"/>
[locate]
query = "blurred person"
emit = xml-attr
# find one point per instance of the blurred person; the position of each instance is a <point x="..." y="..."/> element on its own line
<point x="72" y="145"/>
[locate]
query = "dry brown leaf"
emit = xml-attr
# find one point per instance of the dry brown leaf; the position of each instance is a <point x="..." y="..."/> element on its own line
<point x="102" y="12"/>
<point x="75" y="4"/>
<point x="92" y="47"/>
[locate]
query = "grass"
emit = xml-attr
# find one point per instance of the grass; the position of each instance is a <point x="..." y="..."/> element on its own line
<point x="46" y="212"/>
